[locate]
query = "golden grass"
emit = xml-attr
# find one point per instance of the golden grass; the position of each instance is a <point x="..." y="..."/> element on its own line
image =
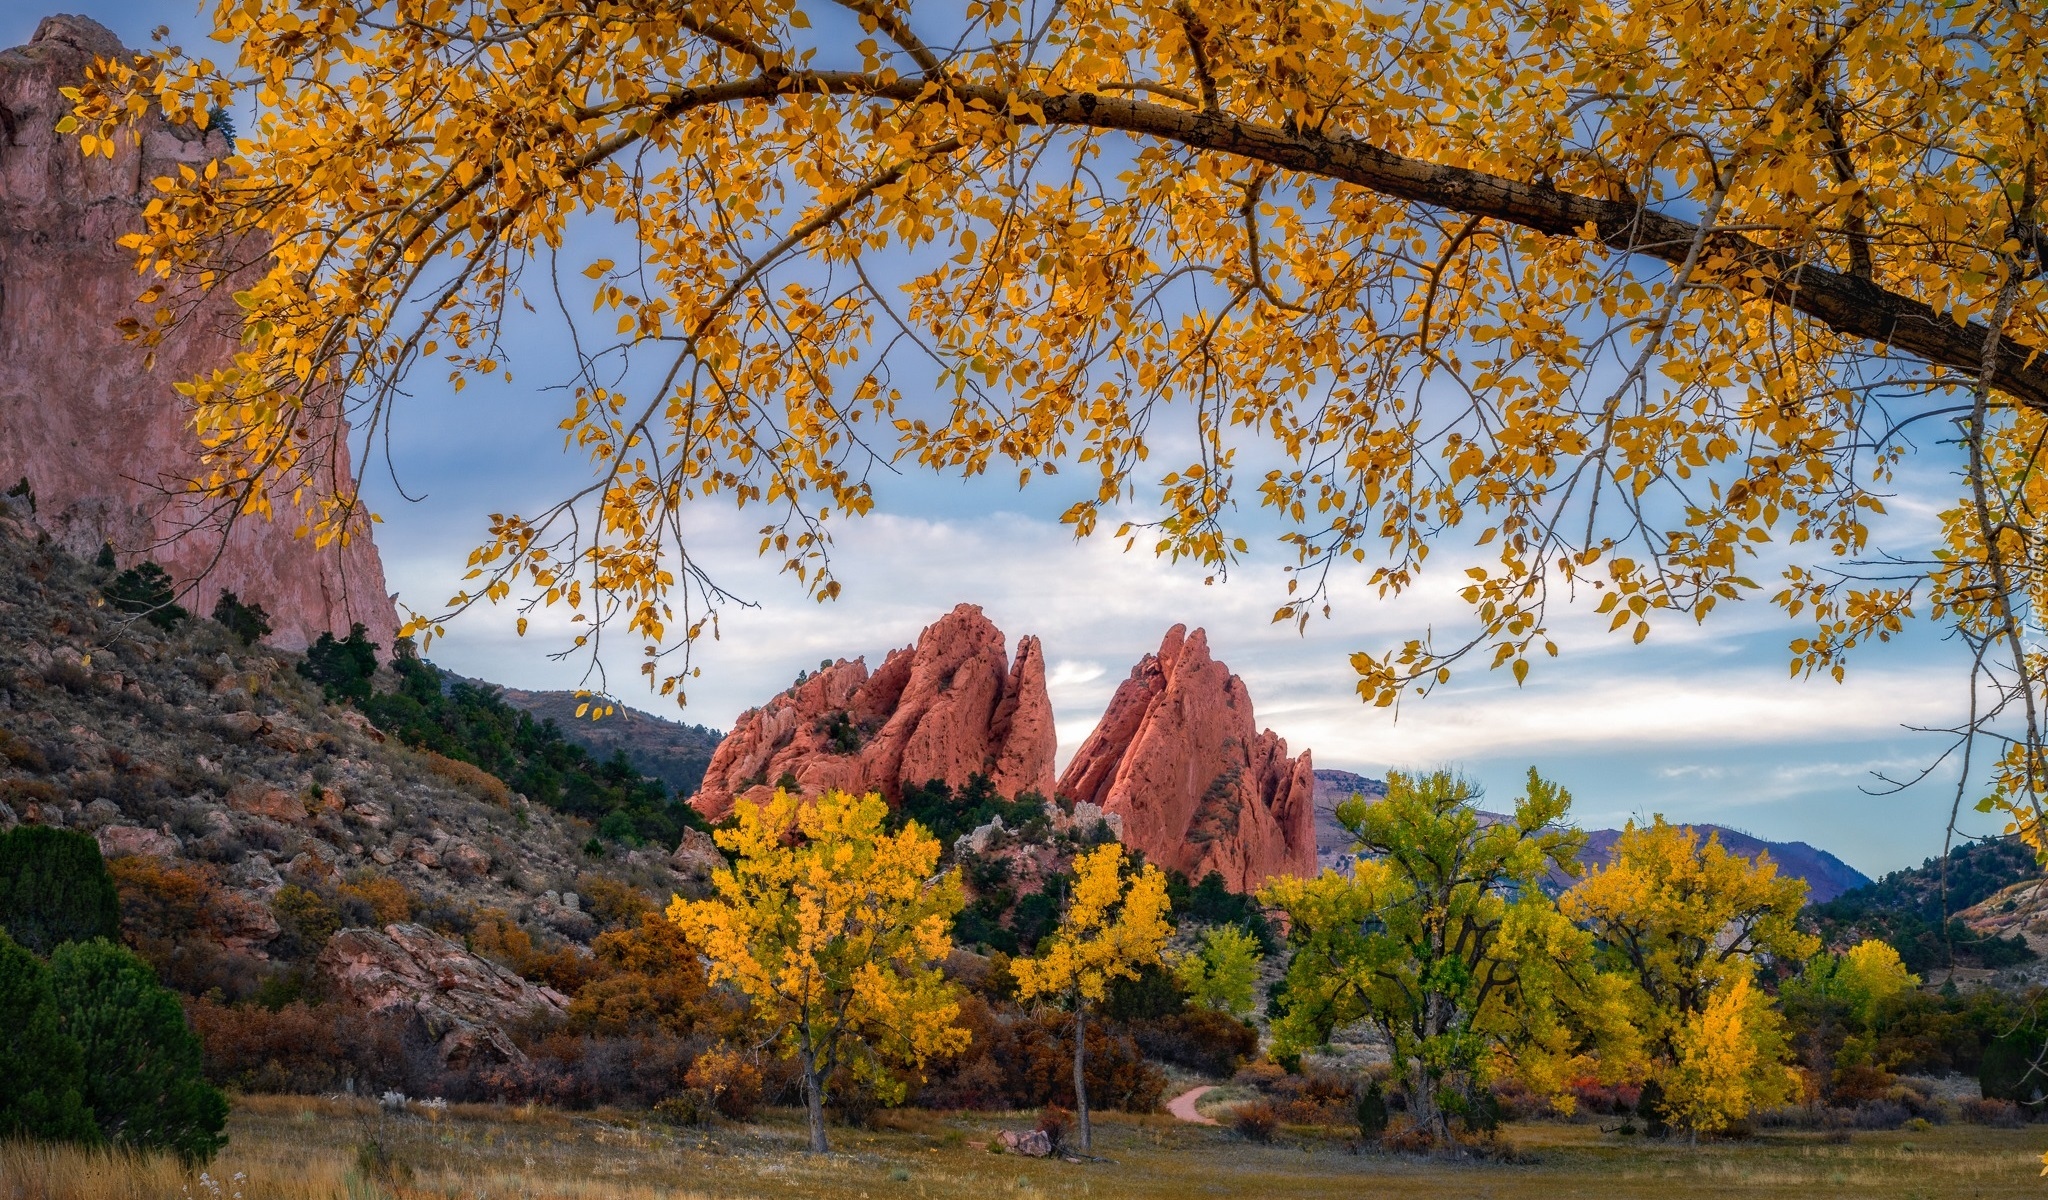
<point x="289" y="1148"/>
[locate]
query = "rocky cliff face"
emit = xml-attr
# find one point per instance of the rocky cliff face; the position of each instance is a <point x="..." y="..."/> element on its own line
<point x="953" y="705"/>
<point x="1180" y="758"/>
<point x="101" y="437"/>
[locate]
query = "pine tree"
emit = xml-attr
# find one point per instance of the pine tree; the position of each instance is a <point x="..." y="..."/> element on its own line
<point x="142" y="1074"/>
<point x="246" y="621"/>
<point x="54" y="888"/>
<point x="146" y="590"/>
<point x="43" y="1068"/>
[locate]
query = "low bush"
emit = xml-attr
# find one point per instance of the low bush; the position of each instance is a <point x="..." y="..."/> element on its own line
<point x="1199" y="1039"/>
<point x="1256" y="1121"/>
<point x="729" y="1080"/>
<point x="1999" y="1114"/>
<point x="1056" y="1124"/>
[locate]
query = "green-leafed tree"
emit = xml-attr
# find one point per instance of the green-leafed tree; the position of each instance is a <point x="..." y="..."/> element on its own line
<point x="1443" y="941"/>
<point x="54" y="888"/>
<point x="1222" y="974"/>
<point x="143" y="1076"/>
<point x="42" y="1069"/>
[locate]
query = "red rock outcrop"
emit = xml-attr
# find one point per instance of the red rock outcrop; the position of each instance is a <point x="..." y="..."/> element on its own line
<point x="463" y="1003"/>
<point x="1179" y="757"/>
<point x="102" y="438"/>
<point x="951" y="706"/>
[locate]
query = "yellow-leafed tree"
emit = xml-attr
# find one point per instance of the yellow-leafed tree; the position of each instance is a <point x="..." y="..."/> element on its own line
<point x="1688" y="923"/>
<point x="1115" y="923"/>
<point x="834" y="929"/>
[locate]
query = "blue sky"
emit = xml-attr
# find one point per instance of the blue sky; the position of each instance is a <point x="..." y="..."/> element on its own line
<point x="1697" y="723"/>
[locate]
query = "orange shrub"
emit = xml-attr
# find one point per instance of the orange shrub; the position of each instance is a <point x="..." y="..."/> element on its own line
<point x="470" y="776"/>
<point x="165" y="901"/>
<point x="729" y="1079"/>
<point x="387" y="897"/>
<point x="646" y="978"/>
<point x="613" y="902"/>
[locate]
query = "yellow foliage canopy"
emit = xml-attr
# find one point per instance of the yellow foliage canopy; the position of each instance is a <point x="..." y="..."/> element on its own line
<point x="835" y="930"/>
<point x="1115" y="924"/>
<point x="1619" y="290"/>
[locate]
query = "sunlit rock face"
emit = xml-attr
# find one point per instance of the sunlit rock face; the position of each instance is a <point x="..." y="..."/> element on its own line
<point x="1179" y="757"/>
<point x="100" y="435"/>
<point x="953" y="705"/>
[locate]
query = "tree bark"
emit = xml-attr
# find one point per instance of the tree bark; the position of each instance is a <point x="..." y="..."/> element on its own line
<point x="814" y="1097"/>
<point x="1080" y="1072"/>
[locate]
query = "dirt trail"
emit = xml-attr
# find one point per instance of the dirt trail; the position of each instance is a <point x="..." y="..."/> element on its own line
<point x="1183" y="1106"/>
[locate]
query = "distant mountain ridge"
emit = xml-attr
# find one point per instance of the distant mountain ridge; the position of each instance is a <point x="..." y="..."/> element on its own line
<point x="674" y="752"/>
<point x="1826" y="876"/>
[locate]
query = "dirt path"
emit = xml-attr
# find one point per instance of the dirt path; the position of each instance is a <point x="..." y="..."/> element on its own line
<point x="1183" y="1106"/>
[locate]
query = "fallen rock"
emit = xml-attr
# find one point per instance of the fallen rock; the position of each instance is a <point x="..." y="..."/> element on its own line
<point x="133" y="841"/>
<point x="242" y="725"/>
<point x="1179" y="759"/>
<point x="977" y="840"/>
<point x="696" y="856"/>
<point x="1032" y="1143"/>
<point x="465" y="862"/>
<point x="268" y="802"/>
<point x="951" y="706"/>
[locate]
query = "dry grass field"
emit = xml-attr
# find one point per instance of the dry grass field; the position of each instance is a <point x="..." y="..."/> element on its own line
<point x="287" y="1148"/>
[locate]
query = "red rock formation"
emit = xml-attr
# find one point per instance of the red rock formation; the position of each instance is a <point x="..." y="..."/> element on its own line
<point x="1179" y="757"/>
<point x="951" y="706"/>
<point x="100" y="437"/>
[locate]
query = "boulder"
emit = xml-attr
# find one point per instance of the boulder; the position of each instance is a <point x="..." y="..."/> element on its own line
<point x="696" y="856"/>
<point x="96" y="429"/>
<point x="953" y="705"/>
<point x="460" y="1002"/>
<point x="465" y="862"/>
<point x="1032" y="1143"/>
<point x="1179" y="761"/>
<point x="134" y="841"/>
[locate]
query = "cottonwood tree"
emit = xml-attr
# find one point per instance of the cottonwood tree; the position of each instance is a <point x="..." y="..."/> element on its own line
<point x="1114" y="925"/>
<point x="1688" y="924"/>
<point x="1604" y="297"/>
<point x="1443" y="940"/>
<point x="1224" y="973"/>
<point x="835" y="929"/>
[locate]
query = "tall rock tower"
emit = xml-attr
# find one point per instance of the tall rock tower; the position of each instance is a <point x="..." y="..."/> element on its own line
<point x="1180" y="757"/>
<point x="103" y="440"/>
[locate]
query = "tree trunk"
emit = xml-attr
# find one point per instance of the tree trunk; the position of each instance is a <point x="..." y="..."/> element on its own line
<point x="814" y="1098"/>
<point x="1422" y="1105"/>
<point x="1081" y="1072"/>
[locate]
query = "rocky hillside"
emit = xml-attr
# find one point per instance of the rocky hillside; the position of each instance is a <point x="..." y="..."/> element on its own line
<point x="96" y="435"/>
<point x="1178" y="755"/>
<point x="1826" y="876"/>
<point x="950" y="707"/>
<point x="247" y="819"/>
<point x="672" y="751"/>
<point x="1977" y="905"/>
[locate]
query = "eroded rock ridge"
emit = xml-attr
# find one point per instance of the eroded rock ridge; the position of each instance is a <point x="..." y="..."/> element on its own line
<point x="953" y="705"/>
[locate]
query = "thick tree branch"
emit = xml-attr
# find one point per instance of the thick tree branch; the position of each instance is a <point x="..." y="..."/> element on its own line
<point x="1844" y="303"/>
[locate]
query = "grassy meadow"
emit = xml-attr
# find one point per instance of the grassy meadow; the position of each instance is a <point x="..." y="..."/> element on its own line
<point x="293" y="1148"/>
